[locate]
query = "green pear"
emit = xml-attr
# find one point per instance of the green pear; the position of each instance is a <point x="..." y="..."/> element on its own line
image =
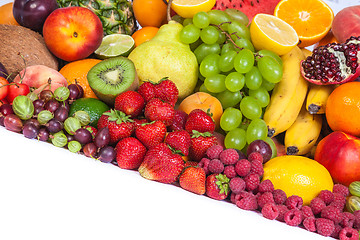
<point x="166" y="56"/>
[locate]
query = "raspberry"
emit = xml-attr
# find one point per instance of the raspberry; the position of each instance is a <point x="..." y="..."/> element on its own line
<point x="242" y="167"/>
<point x="336" y="231"/>
<point x="255" y="156"/>
<point x="229" y="171"/>
<point x="347" y="219"/>
<point x="216" y="166"/>
<point x="332" y="213"/>
<point x="348" y="233"/>
<point x="309" y="224"/>
<point x="342" y="189"/>
<point x="248" y="202"/>
<point x="293" y="202"/>
<point x="236" y="197"/>
<point x="204" y="163"/>
<point x="237" y="185"/>
<point x="266" y="186"/>
<point x="279" y="196"/>
<point x="357" y="219"/>
<point x="293" y="217"/>
<point x="339" y="201"/>
<point x="229" y="156"/>
<point x="214" y="151"/>
<point x="317" y="205"/>
<point x="265" y="198"/>
<point x="327" y="196"/>
<point x="307" y="212"/>
<point x="324" y="227"/>
<point x="257" y="167"/>
<point x="252" y="181"/>
<point x="270" y="211"/>
<point x="282" y="210"/>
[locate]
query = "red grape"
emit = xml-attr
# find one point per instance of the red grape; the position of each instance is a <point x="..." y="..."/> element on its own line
<point x="102" y="138"/>
<point x="107" y="154"/>
<point x="54" y="126"/>
<point x="6" y="109"/>
<point x="46" y="95"/>
<point x="43" y="134"/>
<point x="30" y="130"/>
<point x="52" y="105"/>
<point x="13" y="123"/>
<point x="61" y="114"/>
<point x="90" y="150"/>
<point x="261" y="147"/>
<point x="83" y="136"/>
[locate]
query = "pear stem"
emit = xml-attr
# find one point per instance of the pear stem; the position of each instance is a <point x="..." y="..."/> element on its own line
<point x="168" y="16"/>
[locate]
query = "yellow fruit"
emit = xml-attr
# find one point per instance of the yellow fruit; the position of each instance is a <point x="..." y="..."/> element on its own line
<point x="272" y="33"/>
<point x="188" y="8"/>
<point x="298" y="175"/>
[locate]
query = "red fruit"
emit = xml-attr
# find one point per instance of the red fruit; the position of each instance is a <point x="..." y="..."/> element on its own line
<point x="161" y="165"/>
<point x="346" y="23"/>
<point x="16" y="90"/>
<point x="167" y="91"/>
<point x="147" y="91"/>
<point x="179" y="140"/>
<point x="4" y="88"/>
<point x="156" y="109"/>
<point x="130" y="153"/>
<point x="193" y="179"/>
<point x="92" y="130"/>
<point x="130" y="102"/>
<point x="139" y="121"/>
<point x="199" y="143"/>
<point x="120" y="125"/>
<point x="180" y="118"/>
<point x="200" y="121"/>
<point x="217" y="186"/>
<point x="151" y="134"/>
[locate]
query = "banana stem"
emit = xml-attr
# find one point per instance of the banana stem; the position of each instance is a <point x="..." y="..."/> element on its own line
<point x="168" y="16"/>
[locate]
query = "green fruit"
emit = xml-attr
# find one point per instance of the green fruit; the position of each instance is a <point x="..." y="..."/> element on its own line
<point x="74" y="146"/>
<point x="354" y="188"/>
<point x="353" y="204"/>
<point x="71" y="124"/>
<point x="59" y="139"/>
<point x="83" y="117"/>
<point x="23" y="107"/>
<point x="44" y="116"/>
<point x="61" y="94"/>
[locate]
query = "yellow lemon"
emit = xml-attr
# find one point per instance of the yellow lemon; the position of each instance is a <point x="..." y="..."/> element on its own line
<point x="188" y="8"/>
<point x="272" y="33"/>
<point x="298" y="175"/>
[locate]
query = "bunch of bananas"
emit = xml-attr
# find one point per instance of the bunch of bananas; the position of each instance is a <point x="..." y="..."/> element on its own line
<point x="296" y="106"/>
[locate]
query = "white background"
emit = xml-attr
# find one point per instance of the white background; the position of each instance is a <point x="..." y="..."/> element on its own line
<point x="49" y="193"/>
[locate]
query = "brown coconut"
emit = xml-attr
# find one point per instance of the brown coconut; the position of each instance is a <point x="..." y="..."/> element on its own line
<point x="19" y="44"/>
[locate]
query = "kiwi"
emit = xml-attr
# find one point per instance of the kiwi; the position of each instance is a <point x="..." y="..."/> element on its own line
<point x="111" y="77"/>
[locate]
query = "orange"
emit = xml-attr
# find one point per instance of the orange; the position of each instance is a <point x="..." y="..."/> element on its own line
<point x="6" y="14"/>
<point x="342" y="108"/>
<point x="77" y="71"/>
<point x="144" y="34"/>
<point x="311" y="19"/>
<point x="150" y="12"/>
<point x="329" y="38"/>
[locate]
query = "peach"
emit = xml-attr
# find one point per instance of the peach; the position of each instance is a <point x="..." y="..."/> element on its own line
<point x="346" y="23"/>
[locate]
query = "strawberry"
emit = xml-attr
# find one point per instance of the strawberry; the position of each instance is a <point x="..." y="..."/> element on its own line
<point x="130" y="153"/>
<point x="199" y="143"/>
<point x="193" y="179"/>
<point x="156" y="109"/>
<point x="120" y="125"/>
<point x="167" y="91"/>
<point x="147" y="91"/>
<point x="151" y="134"/>
<point x="139" y="121"/>
<point x="161" y="165"/>
<point x="217" y="186"/>
<point x="179" y="140"/>
<point x="180" y="118"/>
<point x="191" y="163"/>
<point x="130" y="102"/>
<point x="200" y="121"/>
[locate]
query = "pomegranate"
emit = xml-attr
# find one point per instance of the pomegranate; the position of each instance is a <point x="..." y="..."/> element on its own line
<point x="334" y="63"/>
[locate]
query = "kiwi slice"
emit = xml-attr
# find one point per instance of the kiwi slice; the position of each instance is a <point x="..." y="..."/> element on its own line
<point x="111" y="77"/>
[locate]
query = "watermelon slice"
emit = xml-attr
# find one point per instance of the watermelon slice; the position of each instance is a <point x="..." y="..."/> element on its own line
<point x="249" y="7"/>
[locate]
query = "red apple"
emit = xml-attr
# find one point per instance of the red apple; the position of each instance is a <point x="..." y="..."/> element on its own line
<point x="346" y="23"/>
<point x="339" y="153"/>
<point x="72" y="33"/>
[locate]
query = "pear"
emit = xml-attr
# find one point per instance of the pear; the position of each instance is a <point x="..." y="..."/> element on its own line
<point x="166" y="56"/>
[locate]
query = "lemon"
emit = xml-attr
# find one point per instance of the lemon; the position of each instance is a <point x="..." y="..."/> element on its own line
<point x="188" y="8"/>
<point x="271" y="33"/>
<point x="115" y="45"/>
<point x="298" y="175"/>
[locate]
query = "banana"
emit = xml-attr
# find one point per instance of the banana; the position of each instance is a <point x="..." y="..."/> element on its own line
<point x="317" y="97"/>
<point x="303" y="133"/>
<point x="288" y="95"/>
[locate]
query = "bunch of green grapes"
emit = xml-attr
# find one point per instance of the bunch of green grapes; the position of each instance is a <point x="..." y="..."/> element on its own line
<point x="233" y="72"/>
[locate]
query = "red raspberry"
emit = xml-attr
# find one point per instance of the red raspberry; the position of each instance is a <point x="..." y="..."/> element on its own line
<point x="339" y="201"/>
<point x="293" y="217"/>
<point x="229" y="171"/>
<point x="307" y="212"/>
<point x="237" y="185"/>
<point x="214" y="151"/>
<point x="317" y="205"/>
<point x="327" y="196"/>
<point x="347" y="219"/>
<point x="216" y="166"/>
<point x="342" y="189"/>
<point x="357" y="219"/>
<point x="348" y="233"/>
<point x="252" y="181"/>
<point x="324" y="227"/>
<point x="279" y="196"/>
<point x="266" y="186"/>
<point x="242" y="167"/>
<point x="336" y="231"/>
<point x="265" y="198"/>
<point x="248" y="202"/>
<point x="236" y="197"/>
<point x="229" y="156"/>
<point x="282" y="210"/>
<point x="255" y="156"/>
<point x="293" y="202"/>
<point x="204" y="163"/>
<point x="257" y="167"/>
<point x="309" y="224"/>
<point x="332" y="213"/>
<point x="270" y="211"/>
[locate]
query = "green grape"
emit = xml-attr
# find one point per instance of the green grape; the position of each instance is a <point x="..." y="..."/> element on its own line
<point x="59" y="139"/>
<point x="218" y="17"/>
<point x="269" y="53"/>
<point x="226" y="61"/>
<point x="238" y="30"/>
<point x="74" y="146"/>
<point x="267" y="85"/>
<point x="253" y="78"/>
<point x="187" y="21"/>
<point x="209" y="66"/>
<point x="229" y="99"/>
<point x="230" y="119"/>
<point x="189" y="34"/>
<point x="257" y="129"/>
<point x="209" y="35"/>
<point x="250" y="108"/>
<point x="195" y="44"/>
<point x="204" y="50"/>
<point x="227" y="47"/>
<point x="221" y="38"/>
<point x="244" y="61"/>
<point x="234" y="81"/>
<point x="245" y="43"/>
<point x="202" y="88"/>
<point x="237" y="15"/>
<point x="262" y="95"/>
<point x="200" y="77"/>
<point x="235" y="138"/>
<point x="215" y="83"/>
<point x="201" y="19"/>
<point x="270" y="69"/>
<point x="245" y="123"/>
